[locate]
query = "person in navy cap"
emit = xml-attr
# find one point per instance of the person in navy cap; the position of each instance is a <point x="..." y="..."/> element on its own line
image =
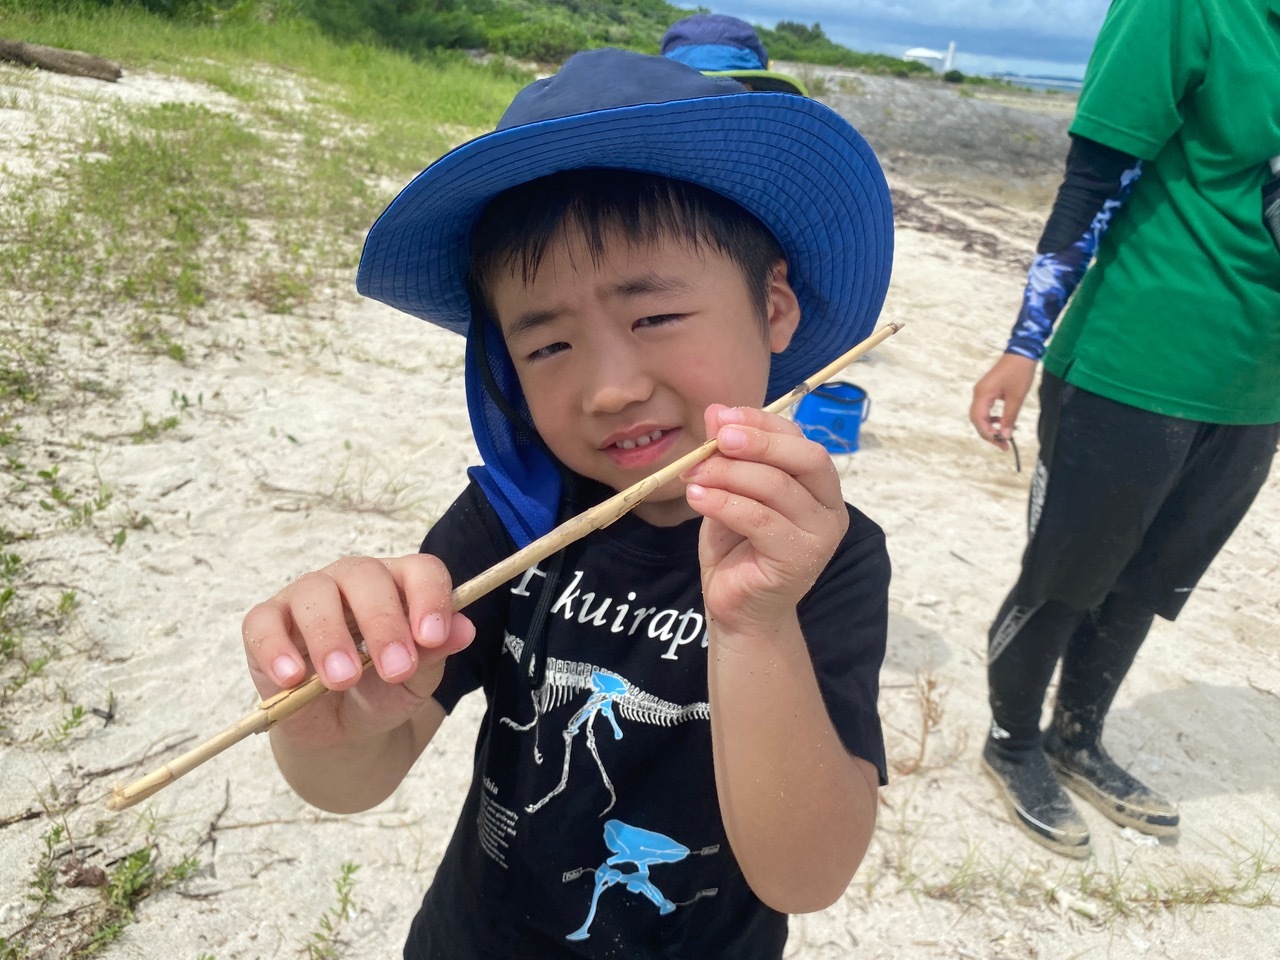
<point x="681" y="744"/>
<point x="722" y="46"/>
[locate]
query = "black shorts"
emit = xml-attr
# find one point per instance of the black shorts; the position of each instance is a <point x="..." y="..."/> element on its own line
<point x="1128" y="501"/>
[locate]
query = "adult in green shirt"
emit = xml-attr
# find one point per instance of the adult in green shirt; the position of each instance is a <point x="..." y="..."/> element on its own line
<point x="1160" y="397"/>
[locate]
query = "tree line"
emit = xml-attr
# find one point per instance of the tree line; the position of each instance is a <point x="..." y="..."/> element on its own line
<point x="546" y="31"/>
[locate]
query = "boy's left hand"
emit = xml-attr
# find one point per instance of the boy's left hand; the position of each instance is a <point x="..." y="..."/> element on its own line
<point x="774" y="514"/>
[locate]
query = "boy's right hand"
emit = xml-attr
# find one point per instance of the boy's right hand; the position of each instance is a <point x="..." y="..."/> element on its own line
<point x="401" y="610"/>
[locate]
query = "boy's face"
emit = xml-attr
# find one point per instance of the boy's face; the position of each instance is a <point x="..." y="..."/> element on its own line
<point x="618" y="361"/>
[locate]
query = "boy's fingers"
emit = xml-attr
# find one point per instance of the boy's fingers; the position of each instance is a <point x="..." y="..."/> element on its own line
<point x="785" y="537"/>
<point x="426" y="585"/>
<point x="781" y="497"/>
<point x="273" y="658"/>
<point x="786" y="554"/>
<point x="319" y="615"/>
<point x="423" y="683"/>
<point x="755" y="437"/>
<point x="744" y="516"/>
<point x="372" y="602"/>
<point x="398" y="608"/>
<point x="718" y="415"/>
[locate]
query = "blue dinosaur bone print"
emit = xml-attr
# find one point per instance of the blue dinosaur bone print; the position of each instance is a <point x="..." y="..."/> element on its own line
<point x="611" y="695"/>
<point x="635" y="846"/>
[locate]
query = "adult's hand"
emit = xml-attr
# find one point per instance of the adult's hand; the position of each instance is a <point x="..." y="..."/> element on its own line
<point x="1008" y="382"/>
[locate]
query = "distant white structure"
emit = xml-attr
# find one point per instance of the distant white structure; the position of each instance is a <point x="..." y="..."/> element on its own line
<point x="934" y="59"/>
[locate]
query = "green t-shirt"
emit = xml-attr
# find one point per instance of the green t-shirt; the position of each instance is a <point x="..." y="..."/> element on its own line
<point x="1180" y="314"/>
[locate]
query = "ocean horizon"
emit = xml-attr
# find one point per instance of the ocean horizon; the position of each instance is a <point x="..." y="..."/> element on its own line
<point x="985" y="65"/>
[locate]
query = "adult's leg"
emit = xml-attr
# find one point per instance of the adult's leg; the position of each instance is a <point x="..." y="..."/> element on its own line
<point x="1098" y="656"/>
<point x="1101" y="476"/>
<point x="1024" y="646"/>
<point x="1103" y="473"/>
<point x="1223" y="473"/>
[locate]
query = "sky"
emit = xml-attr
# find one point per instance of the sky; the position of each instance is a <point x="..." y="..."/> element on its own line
<point x="991" y="36"/>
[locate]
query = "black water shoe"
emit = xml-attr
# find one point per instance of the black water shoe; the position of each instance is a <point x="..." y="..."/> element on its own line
<point x="1036" y="799"/>
<point x="1091" y="774"/>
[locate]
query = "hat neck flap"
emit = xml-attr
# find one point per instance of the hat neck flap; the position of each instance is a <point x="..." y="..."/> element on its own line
<point x="517" y="473"/>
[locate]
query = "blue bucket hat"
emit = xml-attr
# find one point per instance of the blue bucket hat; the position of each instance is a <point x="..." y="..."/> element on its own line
<point x="722" y="46"/>
<point x="795" y="164"/>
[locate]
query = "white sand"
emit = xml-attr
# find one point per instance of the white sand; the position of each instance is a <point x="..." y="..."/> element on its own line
<point x="343" y="430"/>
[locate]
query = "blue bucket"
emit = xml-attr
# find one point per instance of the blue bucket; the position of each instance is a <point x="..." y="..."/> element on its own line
<point x="832" y="415"/>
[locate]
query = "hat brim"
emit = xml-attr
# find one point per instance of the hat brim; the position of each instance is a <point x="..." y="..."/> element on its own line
<point x="763" y="81"/>
<point x="792" y="162"/>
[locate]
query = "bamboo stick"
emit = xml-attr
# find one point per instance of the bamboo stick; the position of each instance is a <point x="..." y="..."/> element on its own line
<point x="287" y="702"/>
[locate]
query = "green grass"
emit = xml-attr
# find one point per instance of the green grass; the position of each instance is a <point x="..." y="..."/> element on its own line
<point x="147" y="223"/>
<point x="132" y="216"/>
<point x="325" y="942"/>
<point x="153" y="209"/>
<point x="158" y="205"/>
<point x="85" y="926"/>
<point x="1238" y="876"/>
<point x="398" y="101"/>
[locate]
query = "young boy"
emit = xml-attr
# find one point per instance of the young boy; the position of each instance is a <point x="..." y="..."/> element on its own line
<point x="681" y="743"/>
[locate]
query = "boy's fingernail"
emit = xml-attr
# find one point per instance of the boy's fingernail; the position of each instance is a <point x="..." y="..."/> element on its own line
<point x="432" y="632"/>
<point x="396" y="660"/>
<point x="284" y="668"/>
<point x="732" y="438"/>
<point x="731" y="415"/>
<point x="339" y="667"/>
<point x="691" y="472"/>
<point x="695" y="492"/>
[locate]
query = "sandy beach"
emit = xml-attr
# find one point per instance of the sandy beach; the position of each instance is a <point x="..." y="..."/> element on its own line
<point x="341" y="428"/>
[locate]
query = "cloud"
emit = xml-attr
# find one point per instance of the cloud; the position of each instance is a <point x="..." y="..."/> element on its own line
<point x="1078" y="19"/>
<point x="991" y="28"/>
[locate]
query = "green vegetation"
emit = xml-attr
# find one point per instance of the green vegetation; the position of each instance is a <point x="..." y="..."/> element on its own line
<point x="135" y="876"/>
<point x="545" y="31"/>
<point x="397" y="99"/>
<point x="1100" y="892"/>
<point x="84" y="929"/>
<point x="809" y="44"/>
<point x="325" y="942"/>
<point x="525" y="29"/>
<point x="160" y="216"/>
<point x="146" y="224"/>
<point x="978" y="80"/>
<point x="138" y="228"/>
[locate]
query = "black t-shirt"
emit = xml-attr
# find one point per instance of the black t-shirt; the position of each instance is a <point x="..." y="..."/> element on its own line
<point x="592" y="827"/>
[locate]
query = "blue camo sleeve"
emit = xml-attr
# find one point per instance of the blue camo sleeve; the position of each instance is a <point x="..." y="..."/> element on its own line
<point x="1055" y="273"/>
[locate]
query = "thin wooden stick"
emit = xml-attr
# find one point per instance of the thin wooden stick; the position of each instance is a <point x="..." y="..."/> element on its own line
<point x="288" y="702"/>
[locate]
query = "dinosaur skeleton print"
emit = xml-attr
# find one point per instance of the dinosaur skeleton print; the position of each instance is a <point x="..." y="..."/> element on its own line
<point x="593" y="818"/>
